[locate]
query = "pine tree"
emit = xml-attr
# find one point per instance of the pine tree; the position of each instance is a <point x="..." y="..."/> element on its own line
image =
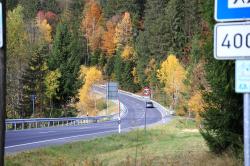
<point x="34" y="81"/>
<point x="11" y="4"/>
<point x="152" y="40"/>
<point x="118" y="69"/>
<point x="112" y="7"/>
<point x="50" y="5"/>
<point x="223" y="116"/>
<point x="65" y="57"/>
<point x="109" y="67"/>
<point x="127" y="82"/>
<point x="31" y="8"/>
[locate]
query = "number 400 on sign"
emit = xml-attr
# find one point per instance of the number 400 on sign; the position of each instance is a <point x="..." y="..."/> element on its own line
<point x="232" y="41"/>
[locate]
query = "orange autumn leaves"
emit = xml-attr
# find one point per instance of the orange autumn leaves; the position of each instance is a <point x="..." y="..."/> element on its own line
<point x="115" y="33"/>
<point x="91" y="24"/>
<point x="108" y="45"/>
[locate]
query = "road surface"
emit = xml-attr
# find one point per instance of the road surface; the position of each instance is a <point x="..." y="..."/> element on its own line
<point x="17" y="141"/>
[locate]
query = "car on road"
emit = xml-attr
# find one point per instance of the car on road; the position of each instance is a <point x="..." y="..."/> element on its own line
<point x="149" y="104"/>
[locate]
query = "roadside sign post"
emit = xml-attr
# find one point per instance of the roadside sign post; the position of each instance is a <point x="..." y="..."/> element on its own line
<point x="247" y="129"/>
<point x="242" y="85"/>
<point x="232" y="42"/>
<point x="112" y="94"/>
<point x="146" y="95"/>
<point x="2" y="77"/>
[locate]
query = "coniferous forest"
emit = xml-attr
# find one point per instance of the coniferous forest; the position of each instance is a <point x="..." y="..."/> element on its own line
<point x="57" y="49"/>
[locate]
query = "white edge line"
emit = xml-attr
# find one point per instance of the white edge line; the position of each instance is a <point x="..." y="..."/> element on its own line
<point x="57" y="139"/>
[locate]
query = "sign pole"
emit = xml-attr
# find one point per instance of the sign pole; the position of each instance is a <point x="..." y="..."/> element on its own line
<point x="33" y="106"/>
<point x="145" y="125"/>
<point x="247" y="129"/>
<point x="147" y="95"/>
<point x="2" y="79"/>
<point x="107" y="101"/>
<point x="119" y="119"/>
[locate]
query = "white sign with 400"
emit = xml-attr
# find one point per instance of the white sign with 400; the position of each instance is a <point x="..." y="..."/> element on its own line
<point x="232" y="41"/>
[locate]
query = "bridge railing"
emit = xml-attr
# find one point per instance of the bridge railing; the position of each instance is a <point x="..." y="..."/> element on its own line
<point x="21" y="124"/>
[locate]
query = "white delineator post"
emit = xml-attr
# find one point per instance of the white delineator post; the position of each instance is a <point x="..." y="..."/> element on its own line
<point x="247" y="129"/>
<point x="119" y="118"/>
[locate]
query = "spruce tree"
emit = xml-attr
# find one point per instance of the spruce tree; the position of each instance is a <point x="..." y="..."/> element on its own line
<point x="34" y="81"/>
<point x="11" y="4"/>
<point x="127" y="82"/>
<point x="66" y="57"/>
<point x="50" y="5"/>
<point x="112" y="7"/>
<point x="152" y="41"/>
<point x="223" y="116"/>
<point x="109" y="67"/>
<point x="31" y="7"/>
<point x="118" y="69"/>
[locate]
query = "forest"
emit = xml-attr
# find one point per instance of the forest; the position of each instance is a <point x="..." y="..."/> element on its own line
<point x="57" y="50"/>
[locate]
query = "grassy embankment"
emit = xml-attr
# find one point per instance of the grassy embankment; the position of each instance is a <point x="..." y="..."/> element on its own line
<point x="177" y="143"/>
<point x="101" y="104"/>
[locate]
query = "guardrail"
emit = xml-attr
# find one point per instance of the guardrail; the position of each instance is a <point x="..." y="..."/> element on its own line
<point x="21" y="124"/>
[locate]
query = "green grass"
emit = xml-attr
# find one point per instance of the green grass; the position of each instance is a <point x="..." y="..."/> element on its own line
<point x="177" y="143"/>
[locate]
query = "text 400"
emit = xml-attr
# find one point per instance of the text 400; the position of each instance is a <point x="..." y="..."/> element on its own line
<point x="238" y="41"/>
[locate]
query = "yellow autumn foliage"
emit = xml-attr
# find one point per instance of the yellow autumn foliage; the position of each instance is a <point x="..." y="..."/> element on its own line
<point x="123" y="31"/>
<point x="135" y="75"/>
<point x="90" y="76"/>
<point x="128" y="52"/>
<point x="45" y="30"/>
<point x="172" y="74"/>
<point x="196" y="105"/>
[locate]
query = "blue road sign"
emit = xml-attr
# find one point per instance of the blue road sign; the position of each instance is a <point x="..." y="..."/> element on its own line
<point x="232" y="10"/>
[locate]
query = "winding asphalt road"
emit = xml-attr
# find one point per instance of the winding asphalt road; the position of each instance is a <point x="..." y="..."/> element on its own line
<point x="17" y="141"/>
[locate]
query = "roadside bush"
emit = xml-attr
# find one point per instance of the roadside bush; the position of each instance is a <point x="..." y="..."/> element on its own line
<point x="101" y="104"/>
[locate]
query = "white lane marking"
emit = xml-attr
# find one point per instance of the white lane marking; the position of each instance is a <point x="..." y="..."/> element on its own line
<point x="46" y="132"/>
<point x="57" y="139"/>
